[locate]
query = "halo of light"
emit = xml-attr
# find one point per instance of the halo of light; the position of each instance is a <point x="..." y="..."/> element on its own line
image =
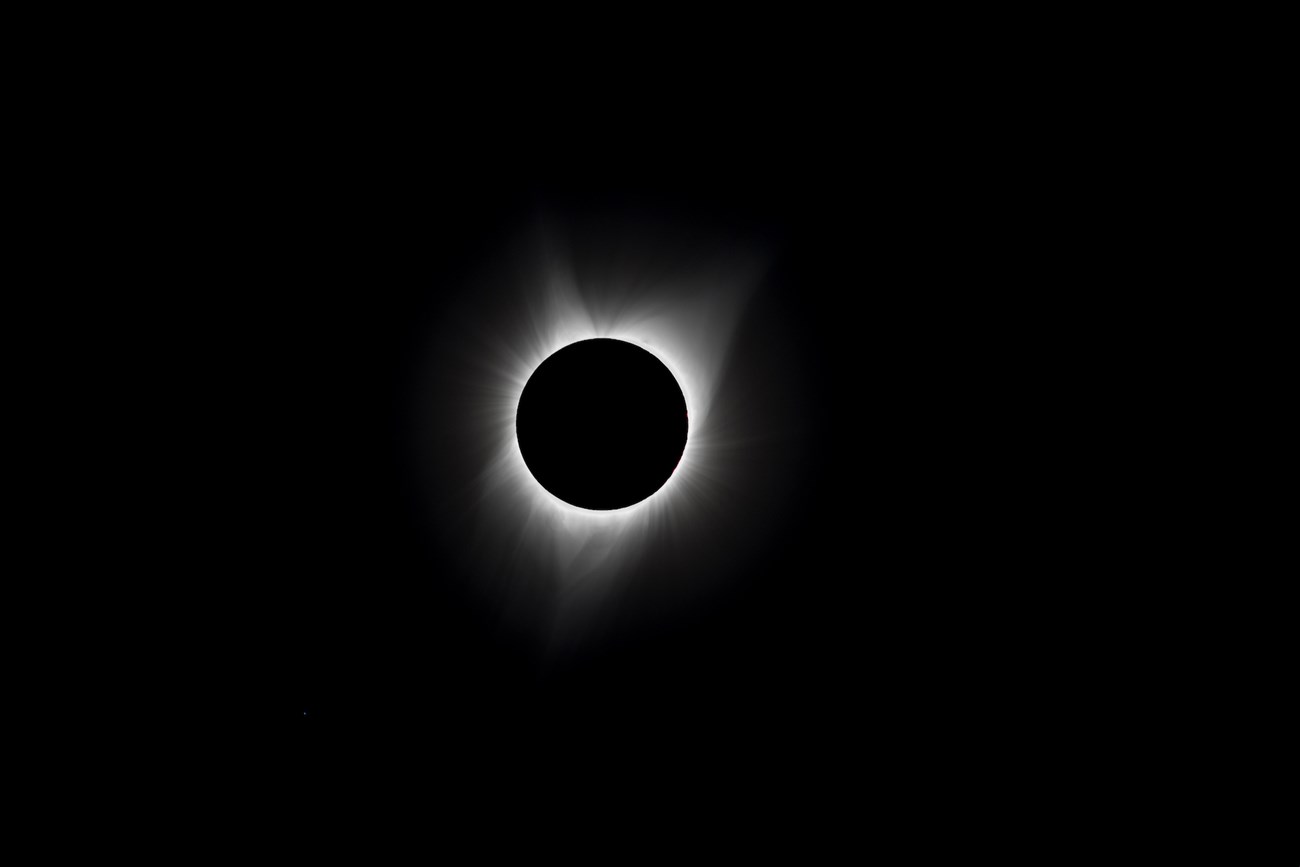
<point x="683" y="309"/>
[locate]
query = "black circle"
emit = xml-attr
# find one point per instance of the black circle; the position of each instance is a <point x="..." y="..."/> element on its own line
<point x="601" y="424"/>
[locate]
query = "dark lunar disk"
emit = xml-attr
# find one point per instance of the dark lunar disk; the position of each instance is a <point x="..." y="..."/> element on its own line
<point x="601" y="424"/>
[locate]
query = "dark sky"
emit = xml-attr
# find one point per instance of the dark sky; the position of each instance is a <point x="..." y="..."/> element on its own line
<point x="340" y="234"/>
<point x="948" y="579"/>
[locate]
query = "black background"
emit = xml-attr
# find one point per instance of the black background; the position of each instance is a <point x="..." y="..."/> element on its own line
<point x="967" y="591"/>
<point x="374" y="642"/>
<point x="878" y="627"/>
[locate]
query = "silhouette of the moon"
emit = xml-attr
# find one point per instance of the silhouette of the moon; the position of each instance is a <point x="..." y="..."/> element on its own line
<point x="601" y="424"/>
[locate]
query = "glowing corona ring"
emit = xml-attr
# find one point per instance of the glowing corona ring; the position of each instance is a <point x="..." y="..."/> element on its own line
<point x="683" y="310"/>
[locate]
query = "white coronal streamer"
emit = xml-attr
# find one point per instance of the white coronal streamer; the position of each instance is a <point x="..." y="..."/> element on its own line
<point x="686" y="317"/>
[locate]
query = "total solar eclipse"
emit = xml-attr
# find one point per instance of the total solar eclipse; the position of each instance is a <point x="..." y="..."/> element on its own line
<point x="601" y="424"/>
